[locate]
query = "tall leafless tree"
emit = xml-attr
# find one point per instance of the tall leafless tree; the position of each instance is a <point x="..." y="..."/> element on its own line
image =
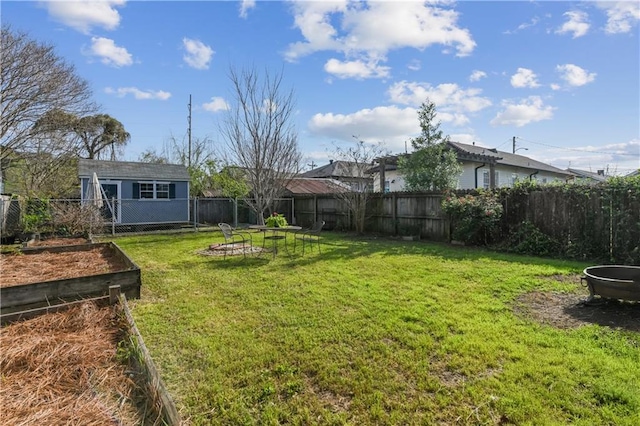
<point x="260" y="135"/>
<point x="359" y="159"/>
<point x="34" y="80"/>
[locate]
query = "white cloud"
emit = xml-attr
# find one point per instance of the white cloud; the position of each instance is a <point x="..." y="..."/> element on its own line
<point x="615" y="158"/>
<point x="367" y="31"/>
<point x="138" y="94"/>
<point x="109" y="53"/>
<point x="198" y="54"/>
<point x="452" y="102"/>
<point x="217" y="104"/>
<point x="576" y="24"/>
<point x="414" y="65"/>
<point x="245" y="6"/>
<point x="621" y="15"/>
<point x="574" y="75"/>
<point x="523" y="26"/>
<point x="355" y="69"/>
<point x="529" y="110"/>
<point x="83" y="15"/>
<point x="476" y="75"/>
<point x="524" y="77"/>
<point x="555" y="86"/>
<point x="388" y="124"/>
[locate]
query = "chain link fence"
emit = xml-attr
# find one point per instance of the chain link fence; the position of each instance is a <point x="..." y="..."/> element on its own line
<point x="120" y="216"/>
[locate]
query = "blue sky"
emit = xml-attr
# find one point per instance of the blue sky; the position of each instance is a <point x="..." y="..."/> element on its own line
<point x="563" y="77"/>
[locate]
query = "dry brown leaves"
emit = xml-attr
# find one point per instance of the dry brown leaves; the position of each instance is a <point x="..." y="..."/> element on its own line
<point x="61" y="368"/>
<point x="47" y="266"/>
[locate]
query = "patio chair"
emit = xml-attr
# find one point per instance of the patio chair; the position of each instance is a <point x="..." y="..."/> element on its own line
<point x="310" y="236"/>
<point x="233" y="237"/>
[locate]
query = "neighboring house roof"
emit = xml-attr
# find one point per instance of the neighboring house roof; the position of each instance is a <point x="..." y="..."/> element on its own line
<point x="486" y="155"/>
<point x="478" y="153"/>
<point x="132" y="170"/>
<point x="311" y="186"/>
<point x="338" y="170"/>
<point x="587" y="175"/>
<point x="634" y="173"/>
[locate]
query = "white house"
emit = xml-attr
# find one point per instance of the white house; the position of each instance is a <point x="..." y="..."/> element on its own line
<point x="481" y="168"/>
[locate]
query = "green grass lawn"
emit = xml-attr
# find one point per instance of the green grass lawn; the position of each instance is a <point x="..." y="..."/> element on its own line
<point x="373" y="332"/>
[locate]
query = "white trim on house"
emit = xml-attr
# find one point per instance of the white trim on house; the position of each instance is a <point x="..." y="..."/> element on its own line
<point x="478" y="164"/>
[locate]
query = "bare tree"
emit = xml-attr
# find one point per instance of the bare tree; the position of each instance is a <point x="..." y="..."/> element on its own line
<point x="359" y="158"/>
<point x="206" y="172"/>
<point x="34" y="80"/>
<point x="260" y="135"/>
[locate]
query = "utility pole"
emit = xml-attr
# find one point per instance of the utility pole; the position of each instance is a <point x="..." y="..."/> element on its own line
<point x="514" y="145"/>
<point x="189" y="134"/>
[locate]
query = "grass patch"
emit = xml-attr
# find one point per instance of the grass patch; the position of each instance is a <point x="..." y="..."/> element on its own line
<point x="373" y="332"/>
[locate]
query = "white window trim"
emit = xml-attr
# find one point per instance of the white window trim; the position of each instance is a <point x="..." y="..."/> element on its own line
<point x="155" y="184"/>
<point x="486" y="179"/>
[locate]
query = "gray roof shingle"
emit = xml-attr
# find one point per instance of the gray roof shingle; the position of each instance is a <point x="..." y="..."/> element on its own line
<point x="506" y="158"/>
<point x="132" y="170"/>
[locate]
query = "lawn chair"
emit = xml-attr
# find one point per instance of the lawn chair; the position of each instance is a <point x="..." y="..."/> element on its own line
<point x="233" y="237"/>
<point x="310" y="236"/>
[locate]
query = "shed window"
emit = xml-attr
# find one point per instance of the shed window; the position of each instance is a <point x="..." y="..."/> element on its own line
<point x="162" y="190"/>
<point x="154" y="190"/>
<point x="146" y="190"/>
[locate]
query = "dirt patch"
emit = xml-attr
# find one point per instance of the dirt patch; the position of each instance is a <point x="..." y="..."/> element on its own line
<point x="49" y="242"/>
<point x="230" y="250"/>
<point x="19" y="268"/>
<point x="65" y="368"/>
<point x="568" y="310"/>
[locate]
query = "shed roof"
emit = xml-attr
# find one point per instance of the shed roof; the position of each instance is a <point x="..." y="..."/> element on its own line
<point x="132" y="170"/>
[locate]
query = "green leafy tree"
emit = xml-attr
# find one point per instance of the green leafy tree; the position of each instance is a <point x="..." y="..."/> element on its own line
<point x="432" y="166"/>
<point x="204" y="170"/>
<point x="94" y="136"/>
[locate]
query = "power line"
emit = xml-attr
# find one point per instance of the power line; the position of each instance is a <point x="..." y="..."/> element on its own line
<point x="577" y="149"/>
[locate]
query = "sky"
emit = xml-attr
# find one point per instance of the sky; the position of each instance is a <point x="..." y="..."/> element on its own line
<point x="563" y="78"/>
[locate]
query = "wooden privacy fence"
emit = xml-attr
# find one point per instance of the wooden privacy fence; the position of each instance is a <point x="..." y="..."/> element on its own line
<point x="584" y="222"/>
<point x="590" y="223"/>
<point x="388" y="213"/>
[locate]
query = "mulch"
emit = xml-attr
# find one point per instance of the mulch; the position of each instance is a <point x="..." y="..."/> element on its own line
<point x="63" y="368"/>
<point x="19" y="268"/>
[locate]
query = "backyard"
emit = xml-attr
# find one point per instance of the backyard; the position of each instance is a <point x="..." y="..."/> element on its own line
<point x="382" y="331"/>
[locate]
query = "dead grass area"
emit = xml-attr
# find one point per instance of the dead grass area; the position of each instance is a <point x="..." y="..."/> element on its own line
<point x="235" y="249"/>
<point x="63" y="368"/>
<point x="26" y="268"/>
<point x="59" y="241"/>
<point x="568" y="310"/>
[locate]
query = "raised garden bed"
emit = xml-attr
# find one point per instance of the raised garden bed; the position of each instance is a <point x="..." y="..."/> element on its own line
<point x="42" y="276"/>
<point x="83" y="365"/>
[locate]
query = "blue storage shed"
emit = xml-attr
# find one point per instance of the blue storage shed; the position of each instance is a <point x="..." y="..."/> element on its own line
<point x="138" y="193"/>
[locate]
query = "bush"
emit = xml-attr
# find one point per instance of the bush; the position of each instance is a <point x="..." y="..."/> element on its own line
<point x="36" y="216"/>
<point x="276" y="221"/>
<point x="475" y="218"/>
<point x="528" y="239"/>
